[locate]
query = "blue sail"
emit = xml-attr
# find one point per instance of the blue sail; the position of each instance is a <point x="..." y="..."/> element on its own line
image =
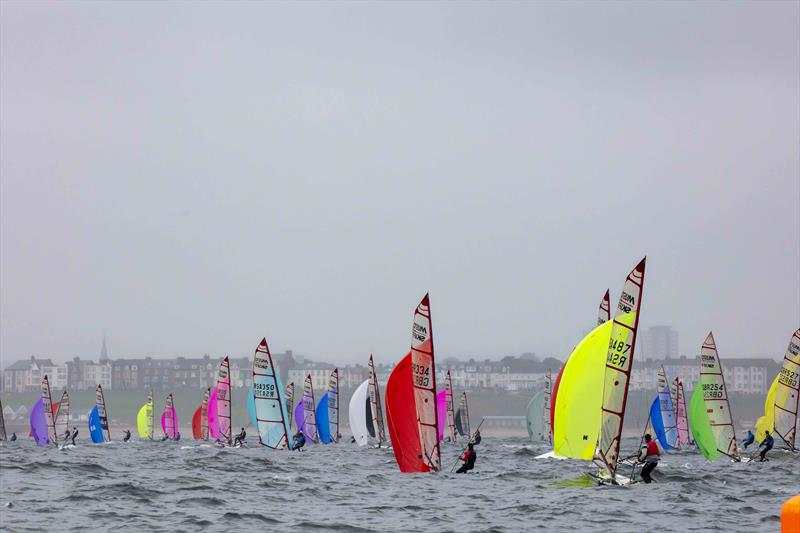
<point x="95" y="427"/>
<point x="323" y="422"/>
<point x="658" y="425"/>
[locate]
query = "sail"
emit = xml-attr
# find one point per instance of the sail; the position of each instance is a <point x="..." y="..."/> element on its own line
<point x="223" y="389"/>
<point x="357" y="413"/>
<point x="621" y="349"/>
<point x="667" y="412"/>
<point x="441" y="413"/>
<point x="39" y="423"/>
<point x="370" y="425"/>
<point x="546" y="417"/>
<point x="659" y="425"/>
<point x="96" y="431"/>
<point x="323" y="420"/>
<point x="270" y="411"/>
<point x="102" y="412"/>
<point x="144" y="419"/>
<point x="213" y="419"/>
<point x="533" y="417"/>
<point x="462" y="419"/>
<point x="424" y="376"/>
<point x="48" y="411"/>
<point x="767" y="422"/>
<point x="309" y="414"/>
<point x="451" y="417"/>
<point x="169" y="419"/>
<point x="300" y="417"/>
<point x="401" y="418"/>
<point x="290" y="403"/>
<point x="200" y="418"/>
<point x="577" y="408"/>
<point x="333" y="405"/>
<point x="604" y="312"/>
<point x="715" y="396"/>
<point x="62" y="414"/>
<point x="701" y="427"/>
<point x="375" y="404"/>
<point x="603" y="316"/>
<point x="3" y="435"/>
<point x="787" y="393"/>
<point x="681" y="419"/>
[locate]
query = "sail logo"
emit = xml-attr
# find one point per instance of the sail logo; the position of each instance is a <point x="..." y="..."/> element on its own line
<point x="261" y="363"/>
<point x="419" y="332"/>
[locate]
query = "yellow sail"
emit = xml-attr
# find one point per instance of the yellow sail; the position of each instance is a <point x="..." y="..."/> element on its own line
<point x="767" y="422"/>
<point x="143" y="421"/>
<point x="578" y="406"/>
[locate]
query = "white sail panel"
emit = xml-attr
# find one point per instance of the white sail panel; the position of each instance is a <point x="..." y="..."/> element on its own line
<point x="423" y="370"/>
<point x="604" y="312"/>
<point x="715" y="398"/>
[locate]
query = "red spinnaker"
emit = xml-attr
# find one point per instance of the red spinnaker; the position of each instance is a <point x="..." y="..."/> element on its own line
<point x="401" y="417"/>
<point x="197" y="423"/>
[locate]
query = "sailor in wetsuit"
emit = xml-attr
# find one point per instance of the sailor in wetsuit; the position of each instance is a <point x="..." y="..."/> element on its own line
<point x="767" y="443"/>
<point x="748" y="439"/>
<point x="477" y="438"/>
<point x="67" y="435"/>
<point x="74" y="434"/>
<point x="299" y="440"/>
<point x="650" y="455"/>
<point x="469" y="458"/>
<point x="13" y="437"/>
<point x="127" y="436"/>
<point x="240" y="438"/>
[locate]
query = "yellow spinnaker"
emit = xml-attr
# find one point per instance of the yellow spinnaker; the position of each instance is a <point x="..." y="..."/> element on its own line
<point x="579" y="402"/>
<point x="143" y="422"/>
<point x="767" y="422"/>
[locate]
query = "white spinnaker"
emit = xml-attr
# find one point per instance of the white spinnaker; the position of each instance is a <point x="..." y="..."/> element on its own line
<point x="604" y="312"/>
<point x="375" y="403"/>
<point x="309" y="413"/>
<point x="451" y="419"/>
<point x="47" y="403"/>
<point x="333" y="405"/>
<point x="618" y="367"/>
<point x="62" y="414"/>
<point x="787" y="393"/>
<point x="357" y="412"/>
<point x="715" y="398"/>
<point x="423" y="370"/>
<point x="548" y="428"/>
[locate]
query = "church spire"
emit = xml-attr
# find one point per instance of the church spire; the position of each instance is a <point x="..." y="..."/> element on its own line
<point x="104" y="351"/>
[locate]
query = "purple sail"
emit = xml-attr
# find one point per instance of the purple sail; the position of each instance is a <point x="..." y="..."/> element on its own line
<point x="39" y="424"/>
<point x="441" y="408"/>
<point x="300" y="417"/>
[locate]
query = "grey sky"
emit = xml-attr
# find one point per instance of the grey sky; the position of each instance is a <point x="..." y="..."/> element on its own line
<point x="190" y="177"/>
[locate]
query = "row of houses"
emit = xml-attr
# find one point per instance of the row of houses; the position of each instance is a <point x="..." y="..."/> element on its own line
<point x="750" y="376"/>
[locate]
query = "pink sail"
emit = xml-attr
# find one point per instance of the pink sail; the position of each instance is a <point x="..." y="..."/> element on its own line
<point x="213" y="419"/>
<point x="223" y="402"/>
<point x="441" y="412"/>
<point x="169" y="419"/>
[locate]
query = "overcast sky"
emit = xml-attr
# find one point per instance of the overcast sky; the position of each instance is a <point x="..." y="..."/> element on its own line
<point x="187" y="178"/>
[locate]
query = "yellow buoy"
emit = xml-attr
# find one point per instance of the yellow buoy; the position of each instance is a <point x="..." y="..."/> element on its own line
<point x="790" y="515"/>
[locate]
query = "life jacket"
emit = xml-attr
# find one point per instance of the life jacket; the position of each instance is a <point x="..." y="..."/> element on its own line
<point x="652" y="449"/>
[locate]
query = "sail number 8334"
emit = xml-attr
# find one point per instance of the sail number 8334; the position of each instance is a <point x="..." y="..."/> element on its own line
<point x="617" y="352"/>
<point x="422" y="375"/>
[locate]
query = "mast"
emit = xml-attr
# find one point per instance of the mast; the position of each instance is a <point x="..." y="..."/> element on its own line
<point x="333" y="405"/>
<point x="47" y="401"/>
<point x="290" y="403"/>
<point x="787" y="393"/>
<point x="548" y="429"/>
<point x="715" y="398"/>
<point x="451" y="422"/>
<point x="309" y="414"/>
<point x="618" y="368"/>
<point x="375" y="403"/>
<point x="204" y="415"/>
<point x="224" y="406"/>
<point x="101" y="411"/>
<point x="424" y="379"/>
<point x="273" y="431"/>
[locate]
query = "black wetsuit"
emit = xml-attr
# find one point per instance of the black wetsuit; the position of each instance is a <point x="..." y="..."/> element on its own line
<point x="13" y="437"/>
<point x="469" y="462"/>
<point x="299" y="441"/>
<point x="127" y="436"/>
<point x="767" y="444"/>
<point x="74" y="436"/>
<point x="240" y="438"/>
<point x="477" y="439"/>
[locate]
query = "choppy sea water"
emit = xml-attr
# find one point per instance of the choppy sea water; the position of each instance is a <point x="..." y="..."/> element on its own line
<point x="155" y="486"/>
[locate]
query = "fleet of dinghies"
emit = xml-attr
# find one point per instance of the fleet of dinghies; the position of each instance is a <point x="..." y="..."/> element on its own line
<point x="580" y="413"/>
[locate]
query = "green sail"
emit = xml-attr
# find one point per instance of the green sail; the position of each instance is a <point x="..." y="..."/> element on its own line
<point x="701" y="429"/>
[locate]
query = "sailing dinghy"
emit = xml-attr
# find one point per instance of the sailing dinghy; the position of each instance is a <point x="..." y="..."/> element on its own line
<point x="357" y="413"/>
<point x="98" y="419"/>
<point x="305" y="415"/>
<point x="222" y="421"/>
<point x="62" y="417"/>
<point x="200" y="418"/>
<point x="710" y="412"/>
<point x="376" y="410"/>
<point x="780" y="407"/>
<point x="144" y="419"/>
<point x="270" y="410"/>
<point x="462" y="417"/>
<point x="662" y="415"/>
<point x="169" y="420"/>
